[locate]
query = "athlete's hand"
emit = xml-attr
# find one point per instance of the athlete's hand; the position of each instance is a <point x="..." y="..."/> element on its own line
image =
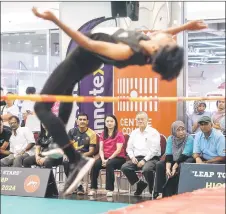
<point x="47" y="15"/>
<point x="196" y="25"/>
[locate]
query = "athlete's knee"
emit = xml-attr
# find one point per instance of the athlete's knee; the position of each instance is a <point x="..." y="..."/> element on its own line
<point x="38" y="107"/>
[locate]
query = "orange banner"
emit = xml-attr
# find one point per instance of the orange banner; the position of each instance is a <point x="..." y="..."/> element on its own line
<point x="136" y="81"/>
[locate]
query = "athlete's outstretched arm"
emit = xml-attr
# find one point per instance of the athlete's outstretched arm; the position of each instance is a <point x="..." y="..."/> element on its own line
<point x="191" y="26"/>
<point x="110" y="50"/>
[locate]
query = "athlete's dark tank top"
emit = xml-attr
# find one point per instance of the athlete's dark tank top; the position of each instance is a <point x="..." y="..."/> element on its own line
<point x="117" y="35"/>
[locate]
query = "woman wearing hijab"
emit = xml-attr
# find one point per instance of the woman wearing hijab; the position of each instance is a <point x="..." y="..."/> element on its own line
<point x="218" y="117"/>
<point x="199" y="111"/>
<point x="179" y="148"/>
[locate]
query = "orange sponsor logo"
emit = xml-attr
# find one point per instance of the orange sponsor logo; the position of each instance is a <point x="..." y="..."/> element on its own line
<point x="31" y="183"/>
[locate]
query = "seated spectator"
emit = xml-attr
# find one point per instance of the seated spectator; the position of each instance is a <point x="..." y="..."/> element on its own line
<point x="112" y="155"/>
<point x="28" y="105"/>
<point x="84" y="140"/>
<point x="9" y="110"/>
<point x="179" y="148"/>
<point x="21" y="144"/>
<point x="5" y="135"/>
<point x="144" y="151"/>
<point x="44" y="143"/>
<point x="199" y="111"/>
<point x="218" y="117"/>
<point x="209" y="144"/>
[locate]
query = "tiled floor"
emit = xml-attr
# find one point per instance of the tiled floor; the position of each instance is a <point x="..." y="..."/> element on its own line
<point x="125" y="198"/>
<point x="75" y="204"/>
<point x="122" y="197"/>
<point x="28" y="205"/>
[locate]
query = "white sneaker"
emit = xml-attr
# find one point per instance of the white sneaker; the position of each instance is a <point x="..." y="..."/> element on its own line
<point x="92" y="193"/>
<point x="160" y="196"/>
<point x="109" y="194"/>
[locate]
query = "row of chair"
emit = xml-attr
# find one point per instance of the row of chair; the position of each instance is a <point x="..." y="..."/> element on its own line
<point x="59" y="172"/>
<point x="118" y="173"/>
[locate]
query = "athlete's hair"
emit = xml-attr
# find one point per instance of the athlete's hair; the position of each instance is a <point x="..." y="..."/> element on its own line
<point x="168" y="62"/>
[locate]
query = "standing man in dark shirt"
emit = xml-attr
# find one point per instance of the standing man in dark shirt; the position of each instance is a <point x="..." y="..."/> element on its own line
<point x="5" y="135"/>
<point x="84" y="141"/>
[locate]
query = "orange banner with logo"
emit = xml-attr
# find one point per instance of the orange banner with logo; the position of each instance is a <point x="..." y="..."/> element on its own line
<point x="137" y="81"/>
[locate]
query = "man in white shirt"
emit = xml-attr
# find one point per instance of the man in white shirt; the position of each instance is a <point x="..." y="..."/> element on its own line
<point x="144" y="151"/>
<point x="27" y="105"/>
<point x="21" y="144"/>
<point x="8" y="110"/>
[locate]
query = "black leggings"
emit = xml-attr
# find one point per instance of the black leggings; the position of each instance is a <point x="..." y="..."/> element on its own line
<point x="62" y="82"/>
<point x="114" y="163"/>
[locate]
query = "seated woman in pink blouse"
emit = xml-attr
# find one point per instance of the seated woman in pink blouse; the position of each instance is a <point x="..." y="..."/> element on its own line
<point x="112" y="155"/>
